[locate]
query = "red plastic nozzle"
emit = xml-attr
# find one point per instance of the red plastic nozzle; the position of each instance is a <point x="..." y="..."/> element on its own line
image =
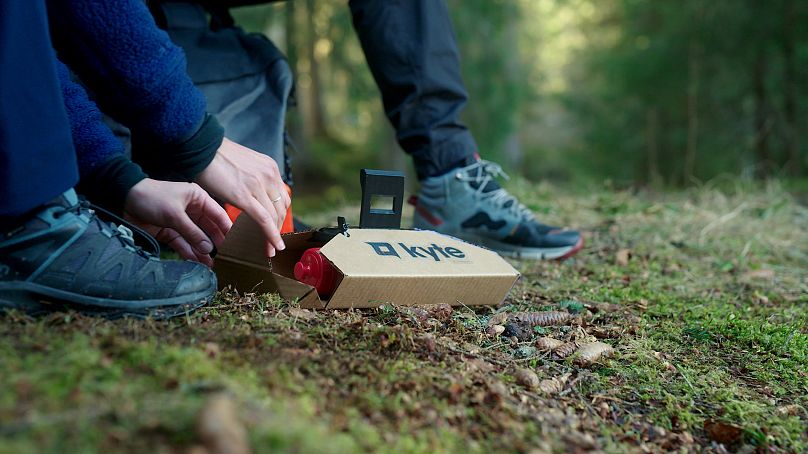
<point x="313" y="269"/>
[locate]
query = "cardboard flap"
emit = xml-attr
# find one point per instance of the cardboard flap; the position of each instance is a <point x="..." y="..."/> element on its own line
<point x="411" y="253"/>
<point x="244" y="242"/>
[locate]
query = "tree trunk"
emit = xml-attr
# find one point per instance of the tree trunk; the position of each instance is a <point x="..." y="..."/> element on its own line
<point x="762" y="129"/>
<point x="693" y="70"/>
<point x="652" y="145"/>
<point x="790" y="90"/>
<point x="293" y="115"/>
<point x="513" y="146"/>
<point x="316" y="110"/>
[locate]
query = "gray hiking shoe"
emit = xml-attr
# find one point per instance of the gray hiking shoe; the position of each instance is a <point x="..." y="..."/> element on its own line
<point x="468" y="203"/>
<point x="64" y="257"/>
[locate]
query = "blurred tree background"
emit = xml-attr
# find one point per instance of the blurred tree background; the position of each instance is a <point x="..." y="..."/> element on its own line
<point x="637" y="91"/>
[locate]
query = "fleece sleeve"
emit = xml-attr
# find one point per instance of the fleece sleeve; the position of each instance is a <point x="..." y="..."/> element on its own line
<point x="105" y="174"/>
<point x="138" y="76"/>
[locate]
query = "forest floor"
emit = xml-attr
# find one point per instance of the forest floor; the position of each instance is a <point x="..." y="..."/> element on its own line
<point x="702" y="294"/>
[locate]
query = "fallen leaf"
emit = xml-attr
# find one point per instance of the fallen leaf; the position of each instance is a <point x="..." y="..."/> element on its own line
<point x="498" y="319"/>
<point x="789" y="410"/>
<point x="471" y="348"/>
<point x="219" y="428"/>
<point x="762" y="274"/>
<point x="420" y="314"/>
<point x="212" y="349"/>
<point x="597" y="306"/>
<point x="442" y="312"/>
<point x="526" y="378"/>
<point x="427" y="342"/>
<point x="304" y="314"/>
<point x="622" y="257"/>
<point x="592" y="352"/>
<point x="474" y="364"/>
<point x="548" y="343"/>
<point x="566" y="349"/>
<point x="455" y="392"/>
<point x="722" y="432"/>
<point x="495" y="330"/>
<point x="686" y="439"/>
<point x="554" y="385"/>
<point x="604" y="411"/>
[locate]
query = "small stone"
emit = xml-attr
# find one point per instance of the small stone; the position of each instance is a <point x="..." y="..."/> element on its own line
<point x="517" y="331"/>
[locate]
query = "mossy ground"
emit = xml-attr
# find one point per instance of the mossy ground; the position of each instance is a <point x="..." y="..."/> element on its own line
<point x="702" y="293"/>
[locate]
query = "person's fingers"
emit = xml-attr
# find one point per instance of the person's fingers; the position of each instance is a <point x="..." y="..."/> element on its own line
<point x="280" y="207"/>
<point x="260" y="215"/>
<point x="283" y="204"/>
<point x="265" y="201"/>
<point x="191" y="232"/>
<point x="174" y="240"/>
<point x="275" y="189"/>
<point x="210" y="216"/>
<point x="213" y="229"/>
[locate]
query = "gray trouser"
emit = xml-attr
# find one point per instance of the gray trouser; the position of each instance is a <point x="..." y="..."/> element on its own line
<point x="410" y="48"/>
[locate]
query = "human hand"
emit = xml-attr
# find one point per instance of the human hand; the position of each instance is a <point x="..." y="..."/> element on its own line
<point x="181" y="215"/>
<point x="252" y="182"/>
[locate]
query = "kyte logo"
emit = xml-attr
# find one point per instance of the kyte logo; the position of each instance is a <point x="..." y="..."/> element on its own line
<point x="433" y="250"/>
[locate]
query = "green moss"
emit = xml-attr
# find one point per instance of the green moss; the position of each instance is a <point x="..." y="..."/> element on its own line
<point x="696" y="341"/>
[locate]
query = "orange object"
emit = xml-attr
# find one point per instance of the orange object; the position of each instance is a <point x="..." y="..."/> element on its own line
<point x="288" y="225"/>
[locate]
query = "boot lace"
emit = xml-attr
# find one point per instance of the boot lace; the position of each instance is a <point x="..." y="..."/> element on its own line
<point x="479" y="174"/>
<point x="123" y="230"/>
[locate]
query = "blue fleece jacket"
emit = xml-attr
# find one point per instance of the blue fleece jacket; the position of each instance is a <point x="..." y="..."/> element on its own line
<point x="136" y="74"/>
<point x="138" y="77"/>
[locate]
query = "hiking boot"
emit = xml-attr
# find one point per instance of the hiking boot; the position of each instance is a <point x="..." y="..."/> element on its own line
<point x="64" y="257"/>
<point x="468" y="203"/>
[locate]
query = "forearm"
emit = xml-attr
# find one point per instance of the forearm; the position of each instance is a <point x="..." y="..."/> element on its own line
<point x="139" y="78"/>
<point x="105" y="174"/>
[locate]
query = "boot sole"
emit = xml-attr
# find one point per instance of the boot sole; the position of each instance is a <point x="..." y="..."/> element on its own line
<point x="521" y="252"/>
<point x="34" y="299"/>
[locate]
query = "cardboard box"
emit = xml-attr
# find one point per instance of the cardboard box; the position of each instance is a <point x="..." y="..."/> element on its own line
<point x="377" y="266"/>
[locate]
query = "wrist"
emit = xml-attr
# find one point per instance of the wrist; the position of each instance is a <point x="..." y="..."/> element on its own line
<point x="109" y="184"/>
<point x="182" y="161"/>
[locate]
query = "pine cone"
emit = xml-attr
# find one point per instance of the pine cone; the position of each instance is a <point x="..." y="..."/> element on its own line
<point x="548" y="318"/>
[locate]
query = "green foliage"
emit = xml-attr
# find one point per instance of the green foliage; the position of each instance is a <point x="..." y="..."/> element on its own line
<point x="635" y="91"/>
